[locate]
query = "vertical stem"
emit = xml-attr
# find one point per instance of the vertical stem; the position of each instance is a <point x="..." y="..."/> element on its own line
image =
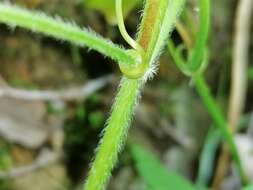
<point x="114" y="135"/>
<point x="240" y="61"/>
<point x="118" y="123"/>
<point x="158" y="21"/>
<point x="195" y="59"/>
<point x="218" y="119"/>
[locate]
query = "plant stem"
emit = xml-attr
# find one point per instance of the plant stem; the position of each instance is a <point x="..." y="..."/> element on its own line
<point x="218" y="119"/>
<point x="39" y="22"/>
<point x="158" y="21"/>
<point x="118" y="123"/>
<point x="194" y="67"/>
<point x="239" y="80"/>
<point x="240" y="62"/>
<point x="114" y="135"/>
<point x="195" y="60"/>
<point x="122" y="27"/>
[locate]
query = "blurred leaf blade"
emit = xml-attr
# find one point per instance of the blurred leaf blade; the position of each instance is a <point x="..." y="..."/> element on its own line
<point x="155" y="174"/>
<point x="207" y="157"/>
<point x="249" y="187"/>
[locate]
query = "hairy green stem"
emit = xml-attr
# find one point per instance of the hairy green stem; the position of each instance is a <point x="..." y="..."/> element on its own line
<point x="39" y="22"/>
<point x="160" y="17"/>
<point x="117" y="126"/>
<point x="114" y="135"/>
<point x="218" y="119"/>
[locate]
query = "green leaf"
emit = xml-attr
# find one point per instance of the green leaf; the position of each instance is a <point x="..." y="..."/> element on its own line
<point x="108" y="8"/>
<point x="155" y="174"/>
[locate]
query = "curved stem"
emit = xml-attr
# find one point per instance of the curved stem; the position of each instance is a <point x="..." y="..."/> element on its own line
<point x="122" y="27"/>
<point x="218" y="119"/>
<point x="194" y="63"/>
<point x="196" y="57"/>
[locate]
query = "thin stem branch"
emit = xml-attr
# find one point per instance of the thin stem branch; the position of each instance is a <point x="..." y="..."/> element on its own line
<point x="218" y="119"/>
<point x="197" y="55"/>
<point x="122" y="27"/>
<point x="55" y="27"/>
<point x="194" y="68"/>
<point x="194" y="62"/>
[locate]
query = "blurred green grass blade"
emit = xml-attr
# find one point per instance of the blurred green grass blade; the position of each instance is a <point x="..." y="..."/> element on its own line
<point x="155" y="174"/>
<point x="207" y="157"/>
